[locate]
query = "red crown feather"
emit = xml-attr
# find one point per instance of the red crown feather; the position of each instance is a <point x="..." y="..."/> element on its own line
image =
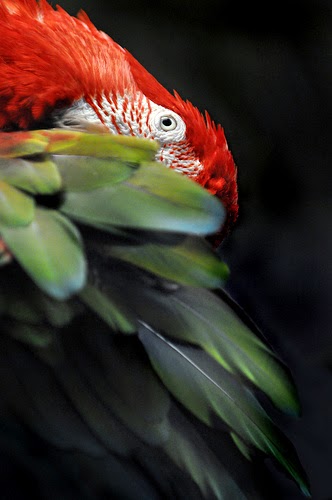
<point x="49" y="59"/>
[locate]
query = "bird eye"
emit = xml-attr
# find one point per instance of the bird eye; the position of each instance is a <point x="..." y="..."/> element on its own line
<point x="167" y="123"/>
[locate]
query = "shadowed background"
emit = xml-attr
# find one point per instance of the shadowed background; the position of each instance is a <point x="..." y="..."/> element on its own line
<point x="263" y="70"/>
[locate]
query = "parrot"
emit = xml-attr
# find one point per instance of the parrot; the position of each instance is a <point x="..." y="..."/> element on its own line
<point x="127" y="370"/>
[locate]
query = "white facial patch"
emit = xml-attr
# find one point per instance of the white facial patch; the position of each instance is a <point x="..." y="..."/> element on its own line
<point x="138" y="116"/>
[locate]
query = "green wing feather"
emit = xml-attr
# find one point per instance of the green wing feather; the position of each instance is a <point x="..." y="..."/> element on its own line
<point x="39" y="176"/>
<point x="50" y="250"/>
<point x="115" y="344"/>
<point x="16" y="209"/>
<point x="191" y="262"/>
<point x="206" y="389"/>
<point x="204" y="320"/>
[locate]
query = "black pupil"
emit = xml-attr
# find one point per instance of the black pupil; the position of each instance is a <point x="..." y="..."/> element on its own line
<point x="167" y="122"/>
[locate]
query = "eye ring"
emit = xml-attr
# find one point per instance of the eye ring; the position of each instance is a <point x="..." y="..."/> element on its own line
<point x="168" y="123"/>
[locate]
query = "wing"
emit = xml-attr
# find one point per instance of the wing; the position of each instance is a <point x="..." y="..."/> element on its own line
<point x="119" y="351"/>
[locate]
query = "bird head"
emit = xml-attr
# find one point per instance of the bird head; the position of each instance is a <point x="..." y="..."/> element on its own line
<point x="57" y="70"/>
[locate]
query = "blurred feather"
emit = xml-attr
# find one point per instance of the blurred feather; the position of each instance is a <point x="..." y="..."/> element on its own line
<point x="116" y="379"/>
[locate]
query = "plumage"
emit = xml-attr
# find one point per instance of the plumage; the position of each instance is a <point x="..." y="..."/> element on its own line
<point x="122" y="361"/>
<point x="74" y="74"/>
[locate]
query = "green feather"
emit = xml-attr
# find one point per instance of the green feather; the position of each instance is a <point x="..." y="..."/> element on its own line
<point x="241" y="445"/>
<point x="201" y="318"/>
<point x="35" y="335"/>
<point x="16" y="144"/>
<point x="190" y="261"/>
<point x="206" y="389"/>
<point x="153" y="198"/>
<point x="190" y="452"/>
<point x="117" y="316"/>
<point x="128" y="149"/>
<point x="16" y="208"/>
<point x="37" y="176"/>
<point x="30" y="388"/>
<point x="23" y="301"/>
<point x="86" y="173"/>
<point x="50" y="250"/>
<point x="129" y="390"/>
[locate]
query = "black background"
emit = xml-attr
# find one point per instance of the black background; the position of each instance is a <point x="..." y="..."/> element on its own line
<point x="263" y="70"/>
